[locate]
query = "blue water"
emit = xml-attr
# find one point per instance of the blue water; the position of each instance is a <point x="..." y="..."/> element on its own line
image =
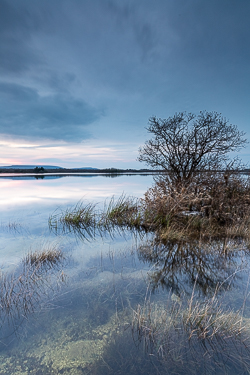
<point x="80" y="315"/>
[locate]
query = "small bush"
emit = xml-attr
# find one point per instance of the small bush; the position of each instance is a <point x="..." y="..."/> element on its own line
<point x="211" y="207"/>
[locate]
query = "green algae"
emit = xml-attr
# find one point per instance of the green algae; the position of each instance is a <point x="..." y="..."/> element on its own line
<point x="71" y="336"/>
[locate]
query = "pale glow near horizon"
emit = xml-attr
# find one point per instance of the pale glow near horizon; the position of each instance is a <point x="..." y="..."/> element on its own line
<point x="67" y="154"/>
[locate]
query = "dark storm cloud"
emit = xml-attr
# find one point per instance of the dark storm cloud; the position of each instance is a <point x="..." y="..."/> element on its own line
<point x="102" y="33"/>
<point x="127" y="20"/>
<point x="25" y="113"/>
<point x="16" y="28"/>
<point x="212" y="31"/>
<point x="63" y="60"/>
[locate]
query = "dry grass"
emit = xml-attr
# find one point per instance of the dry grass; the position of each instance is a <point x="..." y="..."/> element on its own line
<point x="123" y="211"/>
<point x="218" y="207"/>
<point x="191" y="331"/>
<point x="78" y="215"/>
<point x="22" y="290"/>
<point x="86" y="221"/>
<point x="45" y="258"/>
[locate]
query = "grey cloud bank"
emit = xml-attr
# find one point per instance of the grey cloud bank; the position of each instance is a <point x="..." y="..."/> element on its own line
<point x="73" y="71"/>
<point x="26" y="114"/>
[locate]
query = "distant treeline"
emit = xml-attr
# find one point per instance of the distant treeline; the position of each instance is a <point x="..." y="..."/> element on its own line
<point x="111" y="171"/>
<point x="39" y="170"/>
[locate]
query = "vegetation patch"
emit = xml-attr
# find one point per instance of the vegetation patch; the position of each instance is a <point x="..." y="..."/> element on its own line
<point x="200" y="333"/>
<point x="45" y="258"/>
<point x="198" y="211"/>
<point x="23" y="290"/>
<point x="217" y="209"/>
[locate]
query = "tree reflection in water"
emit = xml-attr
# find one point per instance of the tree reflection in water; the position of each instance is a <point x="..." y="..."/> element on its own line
<point x="180" y="264"/>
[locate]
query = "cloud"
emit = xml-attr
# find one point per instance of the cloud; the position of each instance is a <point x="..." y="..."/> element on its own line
<point x="25" y="113"/>
<point x="16" y="29"/>
<point x="87" y="153"/>
<point x="63" y="60"/>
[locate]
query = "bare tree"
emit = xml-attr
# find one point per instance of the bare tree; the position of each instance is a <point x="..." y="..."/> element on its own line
<point x="186" y="144"/>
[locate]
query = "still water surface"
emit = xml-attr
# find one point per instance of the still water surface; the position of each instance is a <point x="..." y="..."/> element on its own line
<point x="91" y="311"/>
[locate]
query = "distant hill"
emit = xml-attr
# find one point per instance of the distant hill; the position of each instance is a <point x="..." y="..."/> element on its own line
<point x="30" y="167"/>
<point x="96" y="169"/>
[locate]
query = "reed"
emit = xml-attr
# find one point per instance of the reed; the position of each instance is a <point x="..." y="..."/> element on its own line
<point x="86" y="221"/>
<point x="45" y="258"/>
<point x="217" y="208"/>
<point x="78" y="215"/>
<point x="22" y="290"/>
<point x="124" y="211"/>
<point x="184" y="331"/>
<point x="179" y="335"/>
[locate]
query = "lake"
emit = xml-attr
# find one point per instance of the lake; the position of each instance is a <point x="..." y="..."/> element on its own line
<point x="116" y="301"/>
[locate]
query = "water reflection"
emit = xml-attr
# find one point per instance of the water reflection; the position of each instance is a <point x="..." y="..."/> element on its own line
<point x="69" y="338"/>
<point x="88" y="327"/>
<point x="93" y="231"/>
<point x="92" y="330"/>
<point x="126" y="355"/>
<point x="175" y="264"/>
<point x="32" y="176"/>
<point x="23" y="291"/>
<point x="51" y="191"/>
<point x="171" y="334"/>
<point x="179" y="264"/>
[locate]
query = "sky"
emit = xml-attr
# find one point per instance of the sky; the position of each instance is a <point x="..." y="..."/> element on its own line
<point x="79" y="79"/>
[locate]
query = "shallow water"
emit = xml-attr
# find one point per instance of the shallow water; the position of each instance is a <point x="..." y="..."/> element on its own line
<point x="81" y="315"/>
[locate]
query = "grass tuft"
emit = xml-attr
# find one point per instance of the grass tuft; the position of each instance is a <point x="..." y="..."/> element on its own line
<point x="22" y="290"/>
<point x="46" y="257"/>
<point x="179" y="328"/>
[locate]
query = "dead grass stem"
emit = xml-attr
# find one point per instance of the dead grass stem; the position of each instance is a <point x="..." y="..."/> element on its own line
<point x="172" y="329"/>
